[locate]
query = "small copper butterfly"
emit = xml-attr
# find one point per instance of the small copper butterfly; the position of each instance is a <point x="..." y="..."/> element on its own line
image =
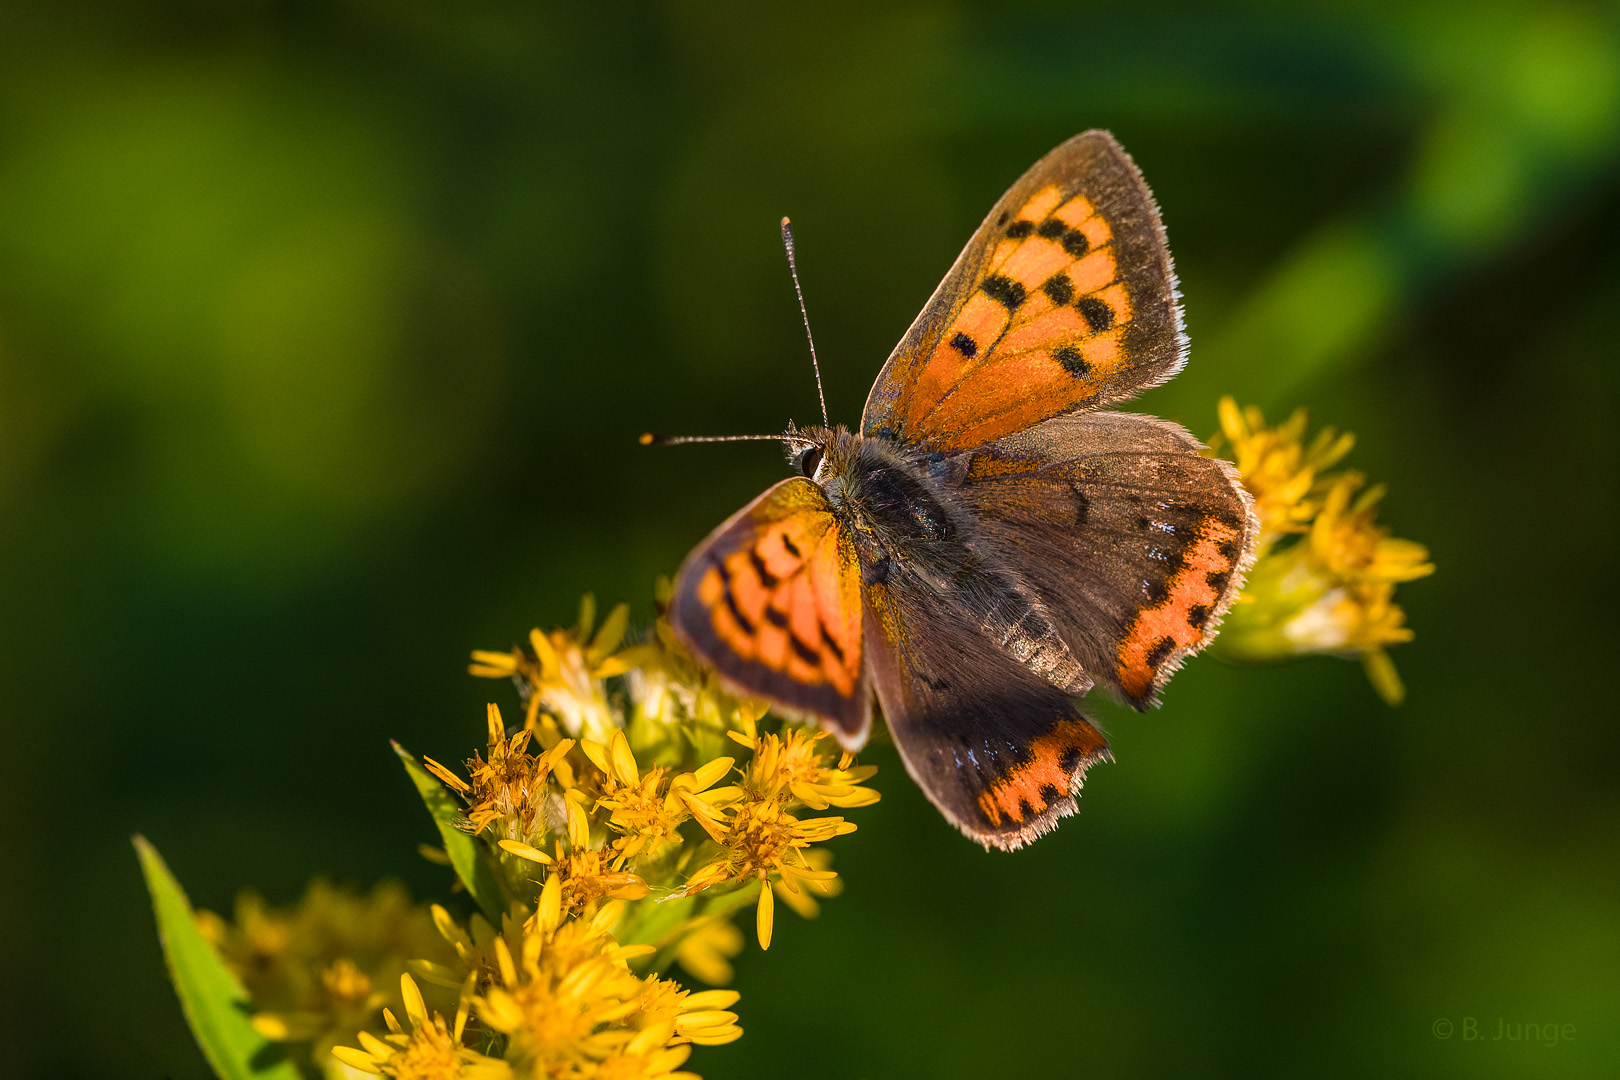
<point x="994" y="541"/>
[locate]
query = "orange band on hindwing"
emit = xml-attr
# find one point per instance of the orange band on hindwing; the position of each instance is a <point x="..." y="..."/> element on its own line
<point x="1048" y="775"/>
<point x="1191" y="596"/>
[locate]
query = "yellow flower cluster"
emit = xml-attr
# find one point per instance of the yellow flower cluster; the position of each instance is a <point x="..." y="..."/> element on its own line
<point x="635" y="811"/>
<point x="1325" y="578"/>
<point x="324" y="970"/>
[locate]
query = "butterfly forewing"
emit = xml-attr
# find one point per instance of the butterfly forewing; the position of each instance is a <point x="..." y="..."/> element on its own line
<point x="1064" y="299"/>
<point x="772" y="601"/>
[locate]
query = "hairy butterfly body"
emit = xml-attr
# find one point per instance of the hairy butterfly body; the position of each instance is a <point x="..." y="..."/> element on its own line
<point x="993" y="543"/>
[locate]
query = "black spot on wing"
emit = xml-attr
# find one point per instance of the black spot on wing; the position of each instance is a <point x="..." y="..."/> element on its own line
<point x="1197" y="616"/>
<point x="1161" y="649"/>
<point x="1099" y="316"/>
<point x="791" y="548"/>
<point x="1218" y="581"/>
<point x="1075" y="243"/>
<point x="1070" y="761"/>
<point x="831" y="646"/>
<point x="1050" y="794"/>
<point x="731" y="601"/>
<point x="1059" y="288"/>
<point x="776" y="618"/>
<point x="1051" y="229"/>
<point x="1004" y="291"/>
<point x="803" y="651"/>
<point x="766" y="578"/>
<point x="1072" y="360"/>
<point x="1019" y="229"/>
<point x="965" y="345"/>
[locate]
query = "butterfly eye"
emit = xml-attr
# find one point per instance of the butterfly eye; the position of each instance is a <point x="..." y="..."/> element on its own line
<point x="809" y="460"/>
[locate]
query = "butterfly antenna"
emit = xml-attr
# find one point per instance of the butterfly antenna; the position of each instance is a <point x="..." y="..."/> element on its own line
<point x="649" y="439"/>
<point x="793" y="268"/>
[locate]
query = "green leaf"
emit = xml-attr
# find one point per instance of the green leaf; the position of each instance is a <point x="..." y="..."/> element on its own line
<point x="215" y="1004"/>
<point x="467" y="855"/>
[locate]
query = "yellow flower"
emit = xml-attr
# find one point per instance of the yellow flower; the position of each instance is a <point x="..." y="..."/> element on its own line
<point x="803" y="901"/>
<point x="794" y="761"/>
<point x="758" y="839"/>
<point x="509" y="790"/>
<point x="1347" y="541"/>
<point x="1279" y="470"/>
<point x="321" y="971"/>
<point x="1332" y="590"/>
<point x="608" y="801"/>
<point x="566" y="672"/>
<point x="642" y="808"/>
<point x="431" y="1050"/>
<point x="474" y="951"/>
<point x="707" y="948"/>
<point x="570" y="1006"/>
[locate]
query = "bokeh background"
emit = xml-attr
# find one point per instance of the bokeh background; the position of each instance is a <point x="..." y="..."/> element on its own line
<point x="326" y="331"/>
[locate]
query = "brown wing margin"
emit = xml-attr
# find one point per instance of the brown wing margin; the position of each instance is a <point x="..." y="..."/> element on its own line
<point x="1065" y="298"/>
<point x="772" y="602"/>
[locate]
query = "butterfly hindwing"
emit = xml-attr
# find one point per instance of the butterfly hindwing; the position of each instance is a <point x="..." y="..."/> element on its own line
<point x="772" y="601"/>
<point x="1000" y="751"/>
<point x="1135" y="541"/>
<point x="1064" y="299"/>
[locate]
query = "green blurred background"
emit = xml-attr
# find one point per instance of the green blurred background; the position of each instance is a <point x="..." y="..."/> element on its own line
<point x="326" y="330"/>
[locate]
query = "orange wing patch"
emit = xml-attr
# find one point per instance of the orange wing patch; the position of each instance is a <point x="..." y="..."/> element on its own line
<point x="1159" y="636"/>
<point x="786" y="595"/>
<point x="1064" y="299"/>
<point x="1040" y="331"/>
<point x="1057" y="762"/>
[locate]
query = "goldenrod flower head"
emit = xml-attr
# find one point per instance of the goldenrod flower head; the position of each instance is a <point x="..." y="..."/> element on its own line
<point x="757" y="837"/>
<point x="645" y="810"/>
<point x="570" y="1006"/>
<point x="578" y="880"/>
<point x="509" y="791"/>
<point x="1347" y="541"/>
<point x="1279" y="470"/>
<point x="431" y="1050"/>
<point x="566" y="670"/>
<point x="1332" y="590"/>
<point x="793" y="762"/>
<point x="622" y="788"/>
<point x="322" y="970"/>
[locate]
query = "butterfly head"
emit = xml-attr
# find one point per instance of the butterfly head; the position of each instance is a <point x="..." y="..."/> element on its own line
<point x="818" y="453"/>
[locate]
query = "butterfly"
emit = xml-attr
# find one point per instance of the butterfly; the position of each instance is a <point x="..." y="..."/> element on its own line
<point x="995" y="541"/>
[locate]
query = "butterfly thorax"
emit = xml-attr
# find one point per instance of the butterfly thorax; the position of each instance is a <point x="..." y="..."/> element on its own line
<point x="909" y="534"/>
